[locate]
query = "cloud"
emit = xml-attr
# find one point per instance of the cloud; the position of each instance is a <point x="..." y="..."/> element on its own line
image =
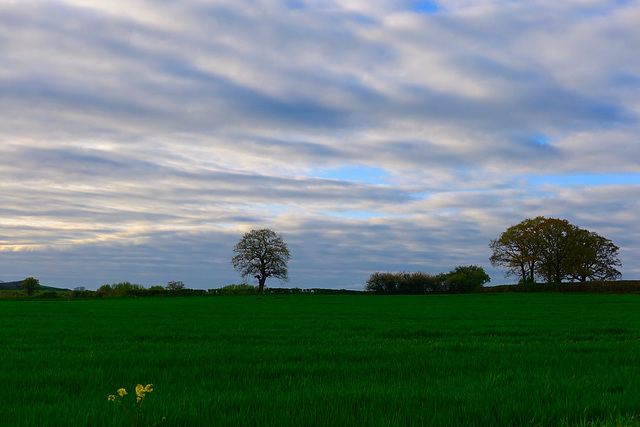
<point x="141" y="139"/>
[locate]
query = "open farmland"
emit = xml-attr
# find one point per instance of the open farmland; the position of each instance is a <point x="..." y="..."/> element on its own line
<point x="499" y="359"/>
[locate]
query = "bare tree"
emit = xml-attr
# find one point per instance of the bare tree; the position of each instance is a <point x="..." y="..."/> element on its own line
<point x="175" y="286"/>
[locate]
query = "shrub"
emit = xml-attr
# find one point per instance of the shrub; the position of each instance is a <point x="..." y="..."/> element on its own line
<point x="105" y="289"/>
<point x="241" y="289"/>
<point x="423" y="283"/>
<point x="403" y="283"/>
<point x="465" y="279"/>
<point x="49" y="294"/>
<point x="381" y="283"/>
<point x="462" y="279"/>
<point x="155" y="290"/>
<point x="127" y="288"/>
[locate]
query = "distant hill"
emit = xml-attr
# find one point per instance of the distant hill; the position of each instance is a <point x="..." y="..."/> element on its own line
<point x="15" y="286"/>
<point x="10" y="286"/>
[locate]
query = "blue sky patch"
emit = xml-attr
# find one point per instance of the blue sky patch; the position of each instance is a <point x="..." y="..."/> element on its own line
<point x="295" y="5"/>
<point x="587" y="179"/>
<point x="541" y="140"/>
<point x="425" y="7"/>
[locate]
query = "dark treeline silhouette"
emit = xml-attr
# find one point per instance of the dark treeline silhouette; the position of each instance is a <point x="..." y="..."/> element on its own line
<point x="462" y="279"/>
<point x="378" y="284"/>
<point x="591" y="287"/>
<point x="134" y="290"/>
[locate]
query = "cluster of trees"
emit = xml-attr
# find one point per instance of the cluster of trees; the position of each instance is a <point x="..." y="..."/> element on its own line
<point x="554" y="250"/>
<point x="462" y="279"/>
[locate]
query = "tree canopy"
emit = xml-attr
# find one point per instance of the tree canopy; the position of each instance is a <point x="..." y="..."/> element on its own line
<point x="261" y="254"/>
<point x="30" y="285"/>
<point x="465" y="279"/>
<point x="554" y="250"/>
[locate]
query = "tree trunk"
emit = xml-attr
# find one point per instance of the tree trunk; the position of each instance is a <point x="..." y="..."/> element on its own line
<point x="261" y="281"/>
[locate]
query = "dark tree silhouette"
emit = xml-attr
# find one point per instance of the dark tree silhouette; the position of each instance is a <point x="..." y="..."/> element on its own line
<point x="261" y="254"/>
<point x="554" y="250"/>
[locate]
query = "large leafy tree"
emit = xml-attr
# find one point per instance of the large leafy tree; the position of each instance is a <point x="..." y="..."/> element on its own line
<point x="558" y="243"/>
<point x="554" y="250"/>
<point x="261" y="254"/>
<point x="517" y="249"/>
<point x="594" y="258"/>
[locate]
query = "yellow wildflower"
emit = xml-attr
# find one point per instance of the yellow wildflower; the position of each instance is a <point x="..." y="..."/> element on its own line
<point x="111" y="398"/>
<point x="141" y="391"/>
<point x="122" y="392"/>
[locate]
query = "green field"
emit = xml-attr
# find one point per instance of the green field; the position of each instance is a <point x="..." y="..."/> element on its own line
<point x="441" y="360"/>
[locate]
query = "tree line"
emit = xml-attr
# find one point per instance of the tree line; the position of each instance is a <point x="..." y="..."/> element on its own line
<point x="462" y="279"/>
<point x="550" y="249"/>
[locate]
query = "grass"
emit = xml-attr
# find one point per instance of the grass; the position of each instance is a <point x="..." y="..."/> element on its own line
<point x="466" y="360"/>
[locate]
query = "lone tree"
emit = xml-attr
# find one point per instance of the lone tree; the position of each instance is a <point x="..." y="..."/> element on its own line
<point x="261" y="254"/>
<point x="554" y="250"/>
<point x="30" y="285"/>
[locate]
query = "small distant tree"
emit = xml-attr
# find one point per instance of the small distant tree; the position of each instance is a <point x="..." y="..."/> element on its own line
<point x="261" y="254"/>
<point x="30" y="285"/>
<point x="465" y="279"/>
<point x="175" y="286"/>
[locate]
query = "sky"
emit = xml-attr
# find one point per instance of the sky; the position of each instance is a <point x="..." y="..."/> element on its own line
<point x="140" y="139"/>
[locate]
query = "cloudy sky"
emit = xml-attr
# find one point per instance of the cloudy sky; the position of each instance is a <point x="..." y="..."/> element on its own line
<point x="139" y="139"/>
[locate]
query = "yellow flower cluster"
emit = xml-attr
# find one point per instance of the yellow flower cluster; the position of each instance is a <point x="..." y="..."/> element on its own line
<point x="142" y="391"/>
<point x="121" y="392"/>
